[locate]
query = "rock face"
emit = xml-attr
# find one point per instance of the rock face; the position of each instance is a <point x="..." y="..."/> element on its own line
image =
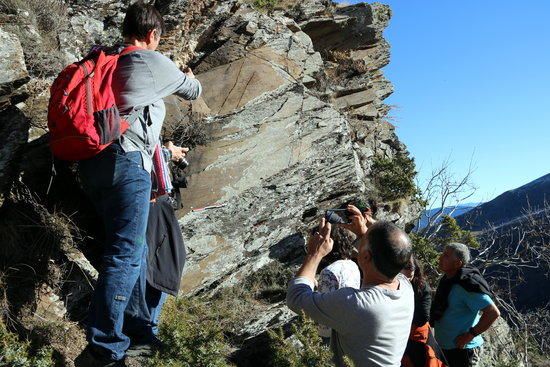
<point x="497" y="350"/>
<point x="276" y="164"/>
<point x="284" y="146"/>
<point x="296" y="121"/>
<point x="12" y="63"/>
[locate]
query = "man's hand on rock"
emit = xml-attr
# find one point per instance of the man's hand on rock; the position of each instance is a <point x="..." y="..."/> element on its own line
<point x="320" y="244"/>
<point x="178" y="153"/>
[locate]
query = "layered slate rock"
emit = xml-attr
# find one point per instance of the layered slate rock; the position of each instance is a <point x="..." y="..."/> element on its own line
<point x="13" y="69"/>
<point x="14" y="132"/>
<point x="351" y="37"/>
<point x="277" y="162"/>
<point x="291" y="134"/>
<point x="257" y="55"/>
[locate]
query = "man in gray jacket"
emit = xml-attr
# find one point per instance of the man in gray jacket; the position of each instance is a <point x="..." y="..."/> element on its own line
<point x="118" y="182"/>
<point x="370" y="325"/>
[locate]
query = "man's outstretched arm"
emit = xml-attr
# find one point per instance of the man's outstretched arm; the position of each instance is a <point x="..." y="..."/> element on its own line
<point x="169" y="79"/>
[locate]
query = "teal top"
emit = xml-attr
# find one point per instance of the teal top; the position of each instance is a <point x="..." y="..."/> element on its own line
<point x="463" y="313"/>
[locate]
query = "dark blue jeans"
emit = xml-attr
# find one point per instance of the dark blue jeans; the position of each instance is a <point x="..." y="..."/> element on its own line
<point x="120" y="189"/>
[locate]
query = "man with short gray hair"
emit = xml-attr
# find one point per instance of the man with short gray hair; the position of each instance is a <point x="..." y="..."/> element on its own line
<point x="461" y="251"/>
<point x="461" y="295"/>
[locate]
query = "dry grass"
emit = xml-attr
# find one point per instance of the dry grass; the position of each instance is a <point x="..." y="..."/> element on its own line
<point x="30" y="257"/>
<point x="347" y="66"/>
<point x="271" y="5"/>
<point x="189" y="133"/>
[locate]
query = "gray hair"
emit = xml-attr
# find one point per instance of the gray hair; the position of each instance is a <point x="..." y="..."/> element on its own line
<point x="461" y="251"/>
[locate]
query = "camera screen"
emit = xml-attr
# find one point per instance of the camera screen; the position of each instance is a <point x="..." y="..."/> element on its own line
<point x="337" y="216"/>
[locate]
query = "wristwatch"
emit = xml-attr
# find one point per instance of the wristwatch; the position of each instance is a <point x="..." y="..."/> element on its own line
<point x="472" y="332"/>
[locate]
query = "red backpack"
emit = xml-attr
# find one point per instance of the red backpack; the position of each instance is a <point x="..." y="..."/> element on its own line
<point x="83" y="118"/>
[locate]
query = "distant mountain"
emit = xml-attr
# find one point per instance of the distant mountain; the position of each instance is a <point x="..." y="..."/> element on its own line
<point x="454" y="211"/>
<point x="505" y="213"/>
<point x="508" y="206"/>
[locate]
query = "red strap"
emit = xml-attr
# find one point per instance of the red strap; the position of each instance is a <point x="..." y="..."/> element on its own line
<point x="129" y="49"/>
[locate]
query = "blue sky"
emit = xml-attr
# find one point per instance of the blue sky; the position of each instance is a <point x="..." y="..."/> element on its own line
<point x="472" y="79"/>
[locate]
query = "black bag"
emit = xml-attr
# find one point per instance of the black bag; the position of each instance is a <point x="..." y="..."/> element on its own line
<point x="167" y="252"/>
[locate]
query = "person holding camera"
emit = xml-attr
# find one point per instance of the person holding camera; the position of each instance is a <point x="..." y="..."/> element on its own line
<point x="371" y="324"/>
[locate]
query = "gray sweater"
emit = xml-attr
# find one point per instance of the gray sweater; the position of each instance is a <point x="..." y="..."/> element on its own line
<point x="371" y="325"/>
<point x="143" y="78"/>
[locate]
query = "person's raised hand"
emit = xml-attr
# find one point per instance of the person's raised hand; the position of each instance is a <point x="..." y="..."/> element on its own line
<point x="178" y="153"/>
<point x="358" y="223"/>
<point x="320" y="244"/>
<point x="369" y="218"/>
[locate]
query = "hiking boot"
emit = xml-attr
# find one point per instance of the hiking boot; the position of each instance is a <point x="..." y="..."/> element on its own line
<point x="144" y="348"/>
<point x="89" y="358"/>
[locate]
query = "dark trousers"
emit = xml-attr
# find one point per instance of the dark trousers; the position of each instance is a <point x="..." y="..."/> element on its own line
<point x="462" y="357"/>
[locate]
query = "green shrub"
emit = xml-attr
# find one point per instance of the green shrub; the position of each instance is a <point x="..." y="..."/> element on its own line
<point x="428" y="250"/>
<point x="192" y="332"/>
<point x="394" y="178"/>
<point x="308" y="351"/>
<point x="451" y="232"/>
<point x="16" y="353"/>
<point x="267" y="5"/>
<point x="200" y="332"/>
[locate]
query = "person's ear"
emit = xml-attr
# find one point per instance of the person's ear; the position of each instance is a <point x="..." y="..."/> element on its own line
<point x="368" y="255"/>
<point x="151" y="36"/>
<point x="156" y="34"/>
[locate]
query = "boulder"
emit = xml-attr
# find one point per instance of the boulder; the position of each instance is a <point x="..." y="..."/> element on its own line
<point x="14" y="133"/>
<point x="13" y="71"/>
<point x="49" y="306"/>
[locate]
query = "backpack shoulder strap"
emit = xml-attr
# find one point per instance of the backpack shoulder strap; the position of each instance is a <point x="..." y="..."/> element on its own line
<point x="126" y="50"/>
<point x="134" y="115"/>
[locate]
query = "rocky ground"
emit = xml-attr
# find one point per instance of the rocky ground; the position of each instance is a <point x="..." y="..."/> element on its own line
<point x="291" y="122"/>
